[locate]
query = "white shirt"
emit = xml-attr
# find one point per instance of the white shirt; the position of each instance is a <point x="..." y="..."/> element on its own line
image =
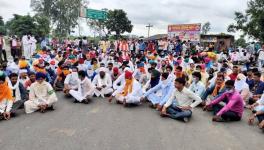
<point x="261" y="54"/>
<point x="184" y="98"/>
<point x="86" y="87"/>
<point x="6" y="106"/>
<point x="198" y="88"/>
<point x="72" y="80"/>
<point x="99" y="82"/>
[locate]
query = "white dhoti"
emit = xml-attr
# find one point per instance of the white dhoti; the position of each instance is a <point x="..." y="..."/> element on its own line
<point x="32" y="105"/>
<point x="129" y="99"/>
<point x="27" y="51"/>
<point x="79" y="96"/>
<point x="103" y="92"/>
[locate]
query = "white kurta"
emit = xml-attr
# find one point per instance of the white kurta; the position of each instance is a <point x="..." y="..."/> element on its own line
<point x="40" y="94"/>
<point x="98" y="82"/>
<point x="5" y="106"/>
<point x="33" y="45"/>
<point x="26" y="46"/>
<point x="121" y="79"/>
<point x="131" y="98"/>
<point x="85" y="88"/>
<point x="72" y="81"/>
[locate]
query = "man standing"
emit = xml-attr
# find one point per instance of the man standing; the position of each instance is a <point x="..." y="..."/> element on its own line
<point x="128" y="93"/>
<point x="14" y="45"/>
<point x="102" y="83"/>
<point x="261" y="58"/>
<point x="33" y="47"/>
<point x="1" y="46"/>
<point x="41" y="95"/>
<point x="185" y="102"/>
<point x="26" y="46"/>
<point x="85" y="89"/>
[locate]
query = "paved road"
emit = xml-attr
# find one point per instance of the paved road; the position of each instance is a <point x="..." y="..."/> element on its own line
<point x="104" y="126"/>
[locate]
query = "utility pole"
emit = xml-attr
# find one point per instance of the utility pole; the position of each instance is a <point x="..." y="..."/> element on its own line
<point x="149" y="26"/>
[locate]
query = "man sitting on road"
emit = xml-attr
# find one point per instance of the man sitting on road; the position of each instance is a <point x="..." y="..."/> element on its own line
<point x="19" y="93"/>
<point x="234" y="107"/>
<point x="186" y="100"/>
<point x="165" y="86"/>
<point x="258" y="112"/>
<point x="256" y="88"/>
<point x="31" y="80"/>
<point x="102" y="83"/>
<point x="6" y="98"/>
<point x="71" y="81"/>
<point x="85" y="89"/>
<point x="128" y="93"/>
<point x="197" y="85"/>
<point x="41" y="95"/>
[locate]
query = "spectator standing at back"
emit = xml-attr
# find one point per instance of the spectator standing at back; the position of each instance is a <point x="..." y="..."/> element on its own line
<point x="261" y="58"/>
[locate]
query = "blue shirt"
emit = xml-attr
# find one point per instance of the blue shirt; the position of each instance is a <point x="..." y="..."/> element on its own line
<point x="259" y="88"/>
<point x="166" y="91"/>
<point x="142" y="46"/>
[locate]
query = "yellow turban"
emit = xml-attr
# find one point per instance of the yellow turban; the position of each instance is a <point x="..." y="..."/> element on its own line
<point x="22" y="64"/>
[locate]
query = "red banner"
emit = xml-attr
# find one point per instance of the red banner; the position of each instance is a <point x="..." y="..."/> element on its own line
<point x="184" y="27"/>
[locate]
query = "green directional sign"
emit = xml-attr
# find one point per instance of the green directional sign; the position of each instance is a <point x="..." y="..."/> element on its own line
<point x="96" y="14"/>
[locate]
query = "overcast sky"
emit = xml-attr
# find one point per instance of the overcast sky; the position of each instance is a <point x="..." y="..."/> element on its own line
<point x="160" y="13"/>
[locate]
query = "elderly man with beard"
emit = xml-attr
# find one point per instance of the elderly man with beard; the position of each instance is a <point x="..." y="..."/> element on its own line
<point x="159" y="99"/>
<point x="102" y="83"/>
<point x="41" y="95"/>
<point x="128" y="93"/>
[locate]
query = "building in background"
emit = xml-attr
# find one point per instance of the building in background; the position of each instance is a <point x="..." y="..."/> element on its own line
<point x="220" y="42"/>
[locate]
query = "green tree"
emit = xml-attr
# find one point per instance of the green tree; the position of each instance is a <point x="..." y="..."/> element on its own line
<point x="118" y="22"/>
<point x="63" y="14"/>
<point x="206" y="28"/>
<point x="251" y="22"/>
<point x="241" y="42"/>
<point x="2" y="23"/>
<point x="21" y="25"/>
<point x="97" y="26"/>
<point x="42" y="24"/>
<point x="2" y="26"/>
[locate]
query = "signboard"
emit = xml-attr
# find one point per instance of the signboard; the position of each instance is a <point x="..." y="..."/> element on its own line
<point x="185" y="32"/>
<point x="93" y="14"/>
<point x="209" y="39"/>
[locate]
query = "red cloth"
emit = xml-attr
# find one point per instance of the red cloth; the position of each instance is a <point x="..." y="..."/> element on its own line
<point x="233" y="76"/>
<point x="116" y="70"/>
<point x="81" y="61"/>
<point x="128" y="74"/>
<point x="52" y="62"/>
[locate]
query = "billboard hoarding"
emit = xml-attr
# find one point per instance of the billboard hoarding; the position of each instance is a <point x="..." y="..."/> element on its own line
<point x="185" y="32"/>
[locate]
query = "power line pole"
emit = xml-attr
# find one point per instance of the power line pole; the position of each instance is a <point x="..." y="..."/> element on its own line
<point x="149" y="26"/>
